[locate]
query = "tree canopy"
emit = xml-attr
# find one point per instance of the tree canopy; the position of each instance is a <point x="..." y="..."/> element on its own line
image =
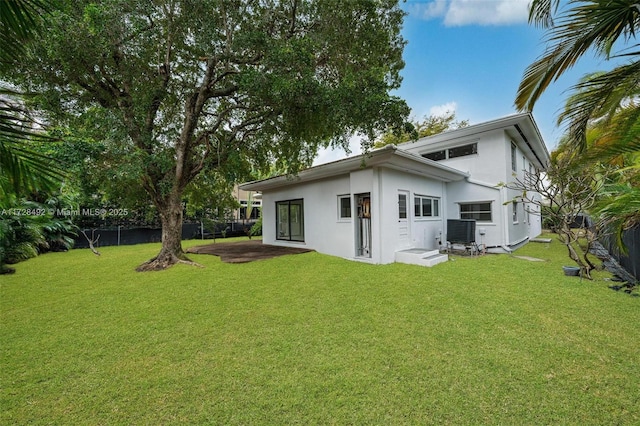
<point x="182" y="86"/>
<point x="415" y="129"/>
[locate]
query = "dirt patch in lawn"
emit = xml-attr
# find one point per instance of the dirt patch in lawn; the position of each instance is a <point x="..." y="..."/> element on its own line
<point x="245" y="251"/>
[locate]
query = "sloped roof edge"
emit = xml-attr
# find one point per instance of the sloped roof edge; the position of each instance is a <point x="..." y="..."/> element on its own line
<point x="521" y="126"/>
<point x="389" y="156"/>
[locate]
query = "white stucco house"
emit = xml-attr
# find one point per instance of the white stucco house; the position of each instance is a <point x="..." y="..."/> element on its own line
<point x="394" y="203"/>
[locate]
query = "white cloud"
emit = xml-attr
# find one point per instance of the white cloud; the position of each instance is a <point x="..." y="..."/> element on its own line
<point x="327" y="155"/>
<point x="473" y="12"/>
<point x="440" y="110"/>
<point x="429" y="10"/>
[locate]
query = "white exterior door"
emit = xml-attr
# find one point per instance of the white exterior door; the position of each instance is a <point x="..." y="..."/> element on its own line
<point x="404" y="224"/>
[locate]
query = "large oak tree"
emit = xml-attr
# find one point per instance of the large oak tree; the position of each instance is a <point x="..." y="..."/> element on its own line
<point x="179" y="86"/>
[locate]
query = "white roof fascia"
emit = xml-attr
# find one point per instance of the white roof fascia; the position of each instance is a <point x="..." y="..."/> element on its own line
<point x="416" y="164"/>
<point x="529" y="141"/>
<point x="389" y="156"/>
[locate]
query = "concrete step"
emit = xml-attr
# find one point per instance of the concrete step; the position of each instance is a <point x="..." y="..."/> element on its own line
<point x="420" y="256"/>
<point x="434" y="260"/>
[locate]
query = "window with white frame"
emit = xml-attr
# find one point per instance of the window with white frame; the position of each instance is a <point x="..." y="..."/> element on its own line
<point x="515" y="211"/>
<point x="480" y="211"/>
<point x="248" y="213"/>
<point x="344" y="207"/>
<point x="426" y="206"/>
<point x="402" y="206"/>
<point x="514" y="159"/>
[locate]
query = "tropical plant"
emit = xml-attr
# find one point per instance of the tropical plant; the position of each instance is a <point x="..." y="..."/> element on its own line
<point x="30" y="227"/>
<point x="256" y="228"/>
<point x="602" y="115"/>
<point x="26" y="226"/>
<point x="619" y="206"/>
<point x="59" y="229"/>
<point x="566" y="193"/>
<point x="21" y="230"/>
<point x="618" y="203"/>
<point x="19" y="21"/>
<point x="581" y="27"/>
<point x="21" y="169"/>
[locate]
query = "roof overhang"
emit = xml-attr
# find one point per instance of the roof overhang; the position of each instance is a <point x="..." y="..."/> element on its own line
<point x="521" y="128"/>
<point x="388" y="157"/>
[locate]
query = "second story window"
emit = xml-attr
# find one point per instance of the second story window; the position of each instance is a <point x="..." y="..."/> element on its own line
<point x="437" y="156"/>
<point x="461" y="151"/>
<point x="458" y="151"/>
<point x="514" y="160"/>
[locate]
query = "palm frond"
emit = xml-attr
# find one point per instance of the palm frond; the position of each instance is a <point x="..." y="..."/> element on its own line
<point x="22" y="169"/>
<point x="19" y="23"/>
<point x="601" y="96"/>
<point x="26" y="170"/>
<point x="619" y="205"/>
<point x="541" y="12"/>
<point x="590" y="26"/>
<point x="617" y="144"/>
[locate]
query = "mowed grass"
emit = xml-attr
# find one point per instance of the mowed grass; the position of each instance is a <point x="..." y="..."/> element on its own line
<point x="314" y="339"/>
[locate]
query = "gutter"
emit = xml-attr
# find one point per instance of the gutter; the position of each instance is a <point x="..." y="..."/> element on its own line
<point x="505" y="219"/>
<point x="479" y="183"/>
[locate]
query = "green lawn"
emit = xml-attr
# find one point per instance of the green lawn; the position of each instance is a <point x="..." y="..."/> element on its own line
<point x="314" y="339"/>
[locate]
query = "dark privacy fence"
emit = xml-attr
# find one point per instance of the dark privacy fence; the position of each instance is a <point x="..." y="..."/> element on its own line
<point x="631" y="260"/>
<point x="121" y="236"/>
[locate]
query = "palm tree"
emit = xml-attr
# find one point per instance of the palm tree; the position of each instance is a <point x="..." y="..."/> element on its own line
<point x="19" y="20"/>
<point x="21" y="169"/>
<point x="582" y="27"/>
<point x="612" y="143"/>
<point x="603" y="114"/>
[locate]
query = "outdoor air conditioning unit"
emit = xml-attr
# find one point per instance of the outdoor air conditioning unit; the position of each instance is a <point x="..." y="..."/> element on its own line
<point x="461" y="231"/>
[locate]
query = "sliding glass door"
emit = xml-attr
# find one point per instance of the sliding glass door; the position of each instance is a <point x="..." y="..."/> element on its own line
<point x="290" y="220"/>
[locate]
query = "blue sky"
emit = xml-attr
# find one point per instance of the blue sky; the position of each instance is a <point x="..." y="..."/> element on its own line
<point x="469" y="56"/>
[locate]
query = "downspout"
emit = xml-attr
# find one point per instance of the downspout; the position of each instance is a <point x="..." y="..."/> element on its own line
<point x="377" y="176"/>
<point x="505" y="221"/>
<point x="444" y="214"/>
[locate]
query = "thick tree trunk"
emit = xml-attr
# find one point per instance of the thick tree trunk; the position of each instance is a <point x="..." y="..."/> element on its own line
<point x="171" y="251"/>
